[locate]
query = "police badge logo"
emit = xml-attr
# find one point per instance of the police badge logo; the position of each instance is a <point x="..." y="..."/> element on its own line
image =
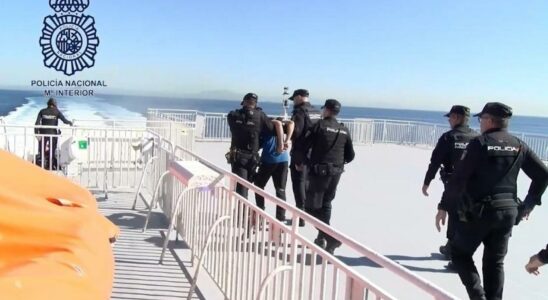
<point x="69" y="39"/>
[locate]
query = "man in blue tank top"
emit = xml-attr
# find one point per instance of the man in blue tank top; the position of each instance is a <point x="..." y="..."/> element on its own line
<point x="274" y="162"/>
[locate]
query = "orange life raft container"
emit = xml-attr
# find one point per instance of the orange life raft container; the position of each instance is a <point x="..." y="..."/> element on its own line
<point x="54" y="243"/>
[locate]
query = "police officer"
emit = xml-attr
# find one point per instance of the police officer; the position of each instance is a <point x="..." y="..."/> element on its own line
<point x="447" y="152"/>
<point x="304" y="116"/>
<point x="47" y="145"/>
<point x="536" y="261"/>
<point x="330" y="148"/>
<point x="484" y="187"/>
<point x="246" y="125"/>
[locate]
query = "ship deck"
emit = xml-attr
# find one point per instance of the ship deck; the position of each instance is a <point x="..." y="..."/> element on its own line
<point x="378" y="203"/>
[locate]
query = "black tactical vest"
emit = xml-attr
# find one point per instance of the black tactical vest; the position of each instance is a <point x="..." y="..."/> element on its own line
<point x="460" y="138"/>
<point x="311" y="117"/>
<point x="494" y="178"/>
<point x="329" y="141"/>
<point x="246" y="128"/>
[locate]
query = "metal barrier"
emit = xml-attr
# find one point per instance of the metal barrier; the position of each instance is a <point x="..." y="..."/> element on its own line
<point x="249" y="253"/>
<point x="213" y="127"/>
<point x="106" y="158"/>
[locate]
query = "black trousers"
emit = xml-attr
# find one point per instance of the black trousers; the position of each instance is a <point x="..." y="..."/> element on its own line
<point x="452" y="223"/>
<point x="246" y="169"/>
<point x="452" y="218"/>
<point x="320" y="194"/>
<point x="493" y="230"/>
<point x="47" y="147"/>
<point x="278" y="172"/>
<point x="299" y="181"/>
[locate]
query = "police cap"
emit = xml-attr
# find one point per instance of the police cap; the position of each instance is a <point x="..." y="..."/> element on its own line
<point x="52" y="102"/>
<point x="333" y="105"/>
<point x="250" y="97"/>
<point x="496" y="109"/>
<point x="459" y="110"/>
<point x="299" y="92"/>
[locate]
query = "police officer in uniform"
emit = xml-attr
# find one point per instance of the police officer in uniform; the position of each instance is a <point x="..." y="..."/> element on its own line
<point x="246" y="125"/>
<point x="447" y="152"/>
<point x="47" y="145"/>
<point x="330" y="147"/>
<point x="485" y="190"/>
<point x="304" y="117"/>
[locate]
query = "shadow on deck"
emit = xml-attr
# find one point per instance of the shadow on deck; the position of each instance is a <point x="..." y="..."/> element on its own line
<point x="138" y="274"/>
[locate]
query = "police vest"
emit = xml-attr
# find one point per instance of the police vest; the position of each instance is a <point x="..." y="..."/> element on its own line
<point x="311" y="117"/>
<point x="329" y="142"/>
<point x="246" y="128"/>
<point x="460" y="138"/>
<point x="501" y="149"/>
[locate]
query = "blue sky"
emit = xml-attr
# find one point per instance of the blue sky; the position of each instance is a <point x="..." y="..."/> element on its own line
<point x="402" y="54"/>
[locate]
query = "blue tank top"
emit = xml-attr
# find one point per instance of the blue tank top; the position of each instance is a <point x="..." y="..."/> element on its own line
<point x="269" y="155"/>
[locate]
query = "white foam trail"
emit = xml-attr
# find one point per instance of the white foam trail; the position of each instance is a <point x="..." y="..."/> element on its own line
<point x="74" y="108"/>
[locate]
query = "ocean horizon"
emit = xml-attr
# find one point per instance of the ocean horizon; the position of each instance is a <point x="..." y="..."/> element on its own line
<point x="124" y="107"/>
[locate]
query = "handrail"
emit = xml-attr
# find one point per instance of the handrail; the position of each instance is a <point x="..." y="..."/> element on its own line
<point x="381" y="260"/>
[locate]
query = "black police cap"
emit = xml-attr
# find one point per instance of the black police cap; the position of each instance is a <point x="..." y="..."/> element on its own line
<point x="496" y="109"/>
<point x="250" y="97"/>
<point x="299" y="92"/>
<point x="460" y="110"/>
<point x="332" y="104"/>
<point x="52" y="102"/>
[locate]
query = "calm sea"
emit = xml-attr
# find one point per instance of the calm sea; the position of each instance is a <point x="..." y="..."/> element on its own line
<point x="10" y="100"/>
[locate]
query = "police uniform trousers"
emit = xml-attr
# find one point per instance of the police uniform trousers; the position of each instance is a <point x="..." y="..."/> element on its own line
<point x="452" y="220"/>
<point x="319" y="196"/>
<point x="278" y="172"/>
<point x="244" y="168"/>
<point x="299" y="181"/>
<point x="493" y="229"/>
<point x="47" y="147"/>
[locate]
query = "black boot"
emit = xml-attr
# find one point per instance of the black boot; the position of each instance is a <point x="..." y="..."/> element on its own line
<point x="446" y="251"/>
<point x="332" y="245"/>
<point x="321" y="242"/>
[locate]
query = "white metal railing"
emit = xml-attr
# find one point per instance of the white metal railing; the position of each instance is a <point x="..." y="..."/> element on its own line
<point x="97" y="154"/>
<point x="250" y="253"/>
<point x="213" y="127"/>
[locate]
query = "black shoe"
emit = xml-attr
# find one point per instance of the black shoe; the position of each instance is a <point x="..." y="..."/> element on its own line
<point x="330" y="247"/>
<point x="301" y="222"/>
<point x="451" y="267"/>
<point x="321" y="242"/>
<point x="446" y="251"/>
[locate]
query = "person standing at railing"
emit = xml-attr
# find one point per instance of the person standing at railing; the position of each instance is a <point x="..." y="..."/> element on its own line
<point x="484" y="188"/>
<point x="446" y="154"/>
<point x="330" y="147"/>
<point x="274" y="162"/>
<point x="536" y="261"/>
<point x="304" y="116"/>
<point x="47" y="144"/>
<point x="246" y="125"/>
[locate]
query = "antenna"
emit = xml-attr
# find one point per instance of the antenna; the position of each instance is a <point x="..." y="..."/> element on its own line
<point x="284" y="103"/>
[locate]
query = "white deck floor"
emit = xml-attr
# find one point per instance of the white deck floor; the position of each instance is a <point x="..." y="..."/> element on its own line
<point x="138" y="274"/>
<point x="379" y="203"/>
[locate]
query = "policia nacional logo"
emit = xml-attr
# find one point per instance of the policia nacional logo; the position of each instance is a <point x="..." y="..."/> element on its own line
<point x="69" y="39"/>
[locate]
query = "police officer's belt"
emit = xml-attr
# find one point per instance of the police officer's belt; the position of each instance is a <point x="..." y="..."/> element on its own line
<point x="235" y="155"/>
<point x="326" y="169"/>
